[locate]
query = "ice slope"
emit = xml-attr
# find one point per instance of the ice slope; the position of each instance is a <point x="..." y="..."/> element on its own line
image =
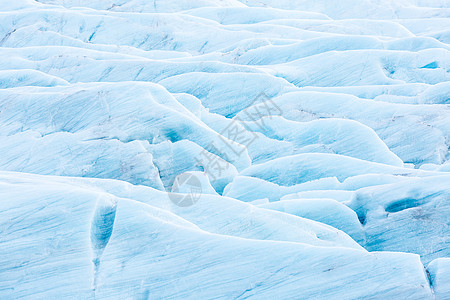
<point x="420" y="137"/>
<point x="417" y="212"/>
<point x="328" y="211"/>
<point x="68" y="154"/>
<point x="82" y="242"/>
<point x="438" y="271"/>
<point x="316" y="135"/>
<point x="301" y="168"/>
<point x="409" y="215"/>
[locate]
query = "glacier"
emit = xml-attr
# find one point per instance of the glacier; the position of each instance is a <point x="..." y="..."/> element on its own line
<point x="225" y="149"/>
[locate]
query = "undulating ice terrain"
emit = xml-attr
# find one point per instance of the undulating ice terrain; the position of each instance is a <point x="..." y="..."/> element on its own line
<point x="224" y="149"/>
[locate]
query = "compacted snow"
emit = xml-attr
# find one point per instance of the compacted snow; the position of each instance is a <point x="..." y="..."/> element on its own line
<point x="224" y="149"/>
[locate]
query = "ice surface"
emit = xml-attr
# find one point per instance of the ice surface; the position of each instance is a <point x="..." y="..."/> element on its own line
<point x="220" y="149"/>
<point x="417" y="213"/>
<point x="81" y="242"/>
<point x="420" y="137"/>
<point x="328" y="211"/>
<point x="439" y="272"/>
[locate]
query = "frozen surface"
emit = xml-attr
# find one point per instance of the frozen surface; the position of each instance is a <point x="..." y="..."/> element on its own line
<point x="224" y="149"/>
<point x="439" y="272"/>
<point x="81" y="241"/>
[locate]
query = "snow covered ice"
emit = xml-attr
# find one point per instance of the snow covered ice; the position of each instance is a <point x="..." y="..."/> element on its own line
<point x="224" y="149"/>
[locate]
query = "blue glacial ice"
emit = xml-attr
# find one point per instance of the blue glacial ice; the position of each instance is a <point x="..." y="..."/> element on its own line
<point x="225" y="149"/>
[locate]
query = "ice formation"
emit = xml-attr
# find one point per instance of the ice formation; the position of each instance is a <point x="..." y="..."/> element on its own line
<point x="224" y="149"/>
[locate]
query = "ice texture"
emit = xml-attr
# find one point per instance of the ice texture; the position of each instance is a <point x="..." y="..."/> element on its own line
<point x="225" y="149"/>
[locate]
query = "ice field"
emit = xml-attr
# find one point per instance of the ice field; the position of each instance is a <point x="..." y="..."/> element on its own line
<point x="224" y="149"/>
